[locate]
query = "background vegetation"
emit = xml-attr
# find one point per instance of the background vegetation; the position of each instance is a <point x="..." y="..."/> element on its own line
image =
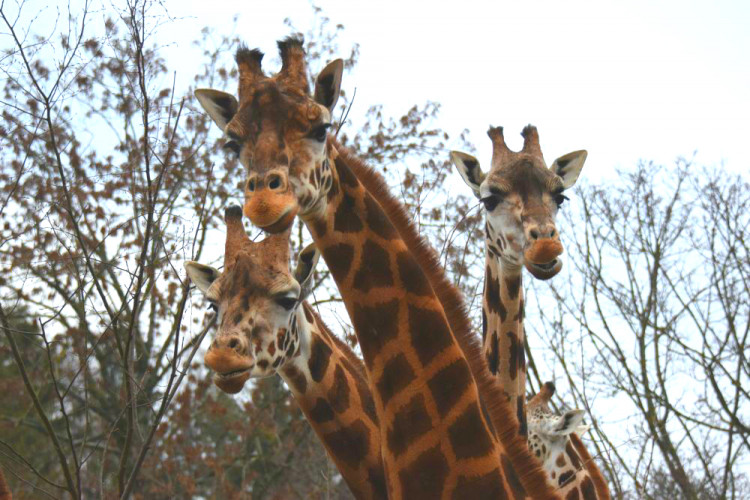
<point x="111" y="177"/>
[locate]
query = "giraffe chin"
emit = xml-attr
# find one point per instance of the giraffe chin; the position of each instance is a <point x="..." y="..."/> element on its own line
<point x="544" y="271"/>
<point x="231" y="384"/>
<point x="282" y="223"/>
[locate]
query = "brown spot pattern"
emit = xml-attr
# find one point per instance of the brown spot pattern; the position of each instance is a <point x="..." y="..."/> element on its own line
<point x="513" y="286"/>
<point x="565" y="477"/>
<point x="573" y="454"/>
<point x="425" y="477"/>
<point x="321" y="411"/>
<point x="339" y="259"/>
<point x="375" y="268"/>
<point x="470" y="424"/>
<point x="588" y="489"/>
<point x="449" y="384"/>
<point x="429" y="333"/>
<point x="296" y="379"/>
<point x="519" y="493"/>
<point x="346" y="220"/>
<point x="513" y="362"/>
<point x="349" y="444"/>
<point x="377" y="222"/>
<point x="376" y="325"/>
<point x="409" y="423"/>
<point x="320" y="355"/>
<point x="397" y="374"/>
<point x="412" y="277"/>
<point x="338" y="394"/>
<point x="488" y="486"/>
<point x="493" y="354"/>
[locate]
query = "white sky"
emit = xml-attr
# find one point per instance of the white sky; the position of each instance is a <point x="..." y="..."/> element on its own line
<point x="624" y="80"/>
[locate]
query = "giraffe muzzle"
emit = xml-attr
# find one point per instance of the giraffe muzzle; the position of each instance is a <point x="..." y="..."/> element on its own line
<point x="272" y="213"/>
<point x="541" y="258"/>
<point x="231" y="369"/>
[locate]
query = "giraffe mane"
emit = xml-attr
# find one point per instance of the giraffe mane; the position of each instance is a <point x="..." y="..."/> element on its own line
<point x="530" y="473"/>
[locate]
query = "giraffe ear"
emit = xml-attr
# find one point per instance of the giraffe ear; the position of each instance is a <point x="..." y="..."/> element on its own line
<point x="306" y="262"/>
<point x="469" y="168"/>
<point x="328" y="84"/>
<point x="220" y="106"/>
<point x="569" y="422"/>
<point x="569" y="166"/>
<point x="203" y="276"/>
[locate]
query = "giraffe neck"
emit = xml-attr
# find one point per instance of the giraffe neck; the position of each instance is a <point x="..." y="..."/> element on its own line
<point x="330" y="386"/>
<point x="570" y="468"/>
<point x="503" y="334"/>
<point x="435" y="442"/>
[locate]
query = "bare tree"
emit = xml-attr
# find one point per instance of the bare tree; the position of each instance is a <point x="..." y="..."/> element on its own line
<point x="654" y="333"/>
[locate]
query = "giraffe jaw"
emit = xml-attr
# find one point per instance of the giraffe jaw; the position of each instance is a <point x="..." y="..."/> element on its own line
<point x="232" y="382"/>
<point x="283" y="222"/>
<point x="546" y="270"/>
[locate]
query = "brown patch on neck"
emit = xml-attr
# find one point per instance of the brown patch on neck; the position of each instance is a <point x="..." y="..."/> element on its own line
<point x="529" y="471"/>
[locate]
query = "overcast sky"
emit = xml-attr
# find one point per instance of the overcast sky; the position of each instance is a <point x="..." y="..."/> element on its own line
<point x="624" y="80"/>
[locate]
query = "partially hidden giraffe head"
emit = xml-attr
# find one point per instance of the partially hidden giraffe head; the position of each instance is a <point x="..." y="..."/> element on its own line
<point x="279" y="132"/>
<point x="521" y="196"/>
<point x="256" y="298"/>
<point x="549" y="432"/>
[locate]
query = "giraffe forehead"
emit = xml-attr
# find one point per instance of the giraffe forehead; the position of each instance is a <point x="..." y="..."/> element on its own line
<point x="272" y="108"/>
<point x="527" y="176"/>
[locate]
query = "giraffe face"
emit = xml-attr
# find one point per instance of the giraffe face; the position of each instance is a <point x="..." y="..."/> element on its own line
<point x="258" y="301"/>
<point x="279" y="133"/>
<point x="521" y="197"/>
<point x="548" y="432"/>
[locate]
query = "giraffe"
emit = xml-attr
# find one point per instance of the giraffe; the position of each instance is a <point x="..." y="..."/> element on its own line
<point x="424" y="370"/>
<point x="266" y="327"/>
<point x="554" y="439"/>
<point x="521" y="197"/>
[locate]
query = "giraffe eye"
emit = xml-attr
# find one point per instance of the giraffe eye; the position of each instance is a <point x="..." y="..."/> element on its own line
<point x="560" y="199"/>
<point x="233" y="146"/>
<point x="320" y="132"/>
<point x="286" y="302"/>
<point x="491" y="201"/>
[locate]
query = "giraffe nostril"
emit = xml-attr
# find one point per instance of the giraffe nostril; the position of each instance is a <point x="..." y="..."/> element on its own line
<point x="552" y="233"/>
<point x="234" y="343"/>
<point x="534" y="234"/>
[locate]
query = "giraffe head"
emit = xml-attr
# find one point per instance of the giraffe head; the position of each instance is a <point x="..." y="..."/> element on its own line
<point x="279" y="132"/>
<point x="521" y="196"/>
<point x="257" y="299"/>
<point x="548" y="432"/>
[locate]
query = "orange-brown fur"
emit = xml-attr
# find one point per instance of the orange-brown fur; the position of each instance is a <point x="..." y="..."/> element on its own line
<point x="530" y="474"/>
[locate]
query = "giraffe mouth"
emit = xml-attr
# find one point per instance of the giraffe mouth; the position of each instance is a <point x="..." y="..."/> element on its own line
<point x="283" y="222"/>
<point x="233" y="381"/>
<point x="546" y="270"/>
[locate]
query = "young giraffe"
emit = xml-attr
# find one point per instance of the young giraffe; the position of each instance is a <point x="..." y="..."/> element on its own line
<point x="409" y="320"/>
<point x="554" y="439"/>
<point x="265" y="327"/>
<point x="521" y="197"/>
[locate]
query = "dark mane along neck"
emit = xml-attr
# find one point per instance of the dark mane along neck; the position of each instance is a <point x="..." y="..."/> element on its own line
<point x="528" y="470"/>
